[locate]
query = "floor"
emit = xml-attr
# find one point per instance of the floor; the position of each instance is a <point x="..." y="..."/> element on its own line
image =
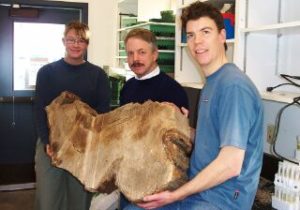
<point x="263" y="198"/>
<point x="24" y="199"/>
<point x="17" y="200"/>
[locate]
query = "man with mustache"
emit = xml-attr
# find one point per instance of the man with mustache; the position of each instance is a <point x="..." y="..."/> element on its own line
<point x="149" y="82"/>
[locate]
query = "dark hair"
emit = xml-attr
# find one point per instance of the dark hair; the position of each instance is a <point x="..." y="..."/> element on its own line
<point x="81" y="30"/>
<point x="199" y="9"/>
<point x="143" y="34"/>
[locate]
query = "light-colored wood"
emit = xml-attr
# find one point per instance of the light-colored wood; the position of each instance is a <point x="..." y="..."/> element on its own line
<point x="140" y="148"/>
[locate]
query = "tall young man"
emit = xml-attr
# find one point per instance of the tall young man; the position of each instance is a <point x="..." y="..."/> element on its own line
<point x="227" y="158"/>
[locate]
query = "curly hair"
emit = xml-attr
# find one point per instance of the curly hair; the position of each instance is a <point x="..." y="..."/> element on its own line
<point x="199" y="9"/>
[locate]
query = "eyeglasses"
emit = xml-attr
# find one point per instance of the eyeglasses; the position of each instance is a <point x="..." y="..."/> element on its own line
<point x="73" y="41"/>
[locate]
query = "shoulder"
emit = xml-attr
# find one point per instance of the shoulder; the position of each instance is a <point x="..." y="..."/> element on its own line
<point x="49" y="67"/>
<point x="168" y="81"/>
<point x="235" y="83"/>
<point x="95" y="69"/>
<point x="231" y="71"/>
<point x="130" y="82"/>
<point x="56" y="64"/>
<point x="232" y="76"/>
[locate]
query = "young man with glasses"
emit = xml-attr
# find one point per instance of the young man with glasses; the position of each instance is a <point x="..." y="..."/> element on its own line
<point x="56" y="188"/>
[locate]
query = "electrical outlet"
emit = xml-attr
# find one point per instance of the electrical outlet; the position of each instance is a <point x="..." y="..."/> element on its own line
<point x="270" y="133"/>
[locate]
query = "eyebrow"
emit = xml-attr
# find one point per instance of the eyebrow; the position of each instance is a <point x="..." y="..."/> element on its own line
<point x="202" y="29"/>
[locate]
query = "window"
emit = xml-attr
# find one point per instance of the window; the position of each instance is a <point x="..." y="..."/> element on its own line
<point x="35" y="44"/>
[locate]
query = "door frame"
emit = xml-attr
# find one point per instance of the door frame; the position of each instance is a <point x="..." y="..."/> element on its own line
<point x="23" y="172"/>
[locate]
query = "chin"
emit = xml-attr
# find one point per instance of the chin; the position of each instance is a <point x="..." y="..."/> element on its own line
<point x="138" y="73"/>
<point x="76" y="57"/>
<point x="203" y="61"/>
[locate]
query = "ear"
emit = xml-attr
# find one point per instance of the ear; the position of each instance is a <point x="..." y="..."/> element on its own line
<point x="156" y="54"/>
<point x="223" y="35"/>
<point x="63" y="41"/>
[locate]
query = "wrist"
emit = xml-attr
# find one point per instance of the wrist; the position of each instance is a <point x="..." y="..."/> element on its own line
<point x="176" y="196"/>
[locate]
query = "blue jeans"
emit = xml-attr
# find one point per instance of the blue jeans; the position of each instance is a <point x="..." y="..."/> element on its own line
<point x="123" y="201"/>
<point x="189" y="203"/>
<point x="57" y="189"/>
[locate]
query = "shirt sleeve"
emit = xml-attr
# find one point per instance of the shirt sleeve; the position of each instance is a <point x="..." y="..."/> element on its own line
<point x="236" y="114"/>
<point x="104" y="93"/>
<point x="41" y="94"/>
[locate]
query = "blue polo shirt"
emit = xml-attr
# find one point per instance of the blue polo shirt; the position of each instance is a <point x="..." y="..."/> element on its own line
<point x="230" y="114"/>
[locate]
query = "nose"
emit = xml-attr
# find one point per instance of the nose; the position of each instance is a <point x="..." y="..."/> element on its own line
<point x="135" y="56"/>
<point x="76" y="42"/>
<point x="198" y="38"/>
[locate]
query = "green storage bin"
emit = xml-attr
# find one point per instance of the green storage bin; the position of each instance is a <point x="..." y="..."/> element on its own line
<point x="166" y="56"/>
<point x="122" y="53"/>
<point x="167" y="68"/>
<point x="166" y="44"/>
<point x="161" y="30"/>
<point x="121" y="45"/>
<point x="128" y="21"/>
<point x="116" y="83"/>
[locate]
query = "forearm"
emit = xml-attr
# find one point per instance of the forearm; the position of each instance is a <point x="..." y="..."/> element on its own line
<point x="39" y="108"/>
<point x="228" y="164"/>
<point x="41" y="119"/>
<point x="42" y="128"/>
<point x="103" y="99"/>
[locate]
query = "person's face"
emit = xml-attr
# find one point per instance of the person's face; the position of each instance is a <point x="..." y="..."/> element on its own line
<point x="75" y="46"/>
<point x="141" y="56"/>
<point x="205" y="42"/>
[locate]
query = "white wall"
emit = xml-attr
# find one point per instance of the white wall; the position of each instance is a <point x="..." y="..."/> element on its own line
<point x="103" y="24"/>
<point x="289" y="127"/>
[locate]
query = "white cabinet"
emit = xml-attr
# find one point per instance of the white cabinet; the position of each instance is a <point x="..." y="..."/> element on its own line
<point x="147" y="16"/>
<point x="266" y="44"/>
<point x="186" y="69"/>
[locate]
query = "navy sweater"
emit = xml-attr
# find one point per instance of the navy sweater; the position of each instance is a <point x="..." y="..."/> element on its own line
<point x="87" y="81"/>
<point x="161" y="88"/>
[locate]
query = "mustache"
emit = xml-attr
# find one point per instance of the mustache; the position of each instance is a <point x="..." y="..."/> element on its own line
<point x="136" y="64"/>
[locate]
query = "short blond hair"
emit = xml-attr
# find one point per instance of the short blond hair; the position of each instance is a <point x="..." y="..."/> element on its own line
<point x="81" y="30"/>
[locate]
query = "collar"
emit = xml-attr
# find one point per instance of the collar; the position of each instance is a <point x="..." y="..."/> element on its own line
<point x="153" y="73"/>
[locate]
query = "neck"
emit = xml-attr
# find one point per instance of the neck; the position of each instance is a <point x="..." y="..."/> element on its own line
<point x="74" y="61"/>
<point x="212" y="68"/>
